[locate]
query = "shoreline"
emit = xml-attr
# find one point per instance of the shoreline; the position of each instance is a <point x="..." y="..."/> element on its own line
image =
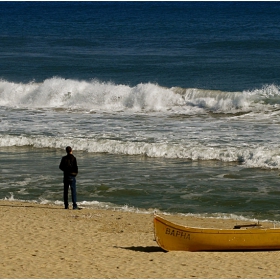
<point x="47" y="241"/>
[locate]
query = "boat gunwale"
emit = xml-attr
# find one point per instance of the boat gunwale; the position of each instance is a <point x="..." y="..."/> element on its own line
<point x="198" y="230"/>
<point x="173" y="237"/>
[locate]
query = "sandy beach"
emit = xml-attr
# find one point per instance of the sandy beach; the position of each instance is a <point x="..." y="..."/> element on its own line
<point x="47" y="241"/>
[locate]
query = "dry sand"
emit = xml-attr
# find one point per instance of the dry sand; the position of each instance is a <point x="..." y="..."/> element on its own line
<point x="46" y="241"/>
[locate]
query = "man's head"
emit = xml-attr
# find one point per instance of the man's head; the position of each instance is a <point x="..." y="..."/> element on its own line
<point x="68" y="150"/>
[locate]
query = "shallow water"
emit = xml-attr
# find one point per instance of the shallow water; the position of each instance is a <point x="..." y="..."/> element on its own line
<point x="134" y="183"/>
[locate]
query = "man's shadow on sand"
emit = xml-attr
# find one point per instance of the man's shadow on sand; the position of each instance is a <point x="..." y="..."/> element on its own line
<point x="147" y="249"/>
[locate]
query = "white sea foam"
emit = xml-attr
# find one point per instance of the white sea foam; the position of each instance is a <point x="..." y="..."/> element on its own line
<point x="232" y="138"/>
<point x="261" y="157"/>
<point x="93" y="95"/>
<point x="99" y="96"/>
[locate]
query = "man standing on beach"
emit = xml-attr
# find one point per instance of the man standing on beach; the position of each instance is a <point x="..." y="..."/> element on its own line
<point x="69" y="167"/>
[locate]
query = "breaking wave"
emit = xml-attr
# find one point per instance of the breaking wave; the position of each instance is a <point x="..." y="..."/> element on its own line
<point x="94" y="95"/>
<point x="258" y="157"/>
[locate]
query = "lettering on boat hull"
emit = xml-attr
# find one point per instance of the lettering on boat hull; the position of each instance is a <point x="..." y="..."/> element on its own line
<point x="177" y="233"/>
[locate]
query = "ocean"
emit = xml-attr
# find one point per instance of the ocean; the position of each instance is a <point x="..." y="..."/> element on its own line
<point x="171" y="107"/>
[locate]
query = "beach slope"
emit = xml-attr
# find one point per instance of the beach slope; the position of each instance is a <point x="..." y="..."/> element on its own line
<point x="47" y="241"/>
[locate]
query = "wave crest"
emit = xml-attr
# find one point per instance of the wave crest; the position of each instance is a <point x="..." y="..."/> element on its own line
<point x="258" y="157"/>
<point x="100" y="96"/>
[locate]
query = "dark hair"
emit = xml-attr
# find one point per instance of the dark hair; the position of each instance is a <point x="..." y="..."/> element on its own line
<point x="68" y="150"/>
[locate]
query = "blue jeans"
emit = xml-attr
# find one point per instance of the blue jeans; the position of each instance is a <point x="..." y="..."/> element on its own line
<point x="70" y="181"/>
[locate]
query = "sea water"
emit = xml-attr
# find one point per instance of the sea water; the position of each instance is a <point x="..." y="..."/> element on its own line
<point x="169" y="106"/>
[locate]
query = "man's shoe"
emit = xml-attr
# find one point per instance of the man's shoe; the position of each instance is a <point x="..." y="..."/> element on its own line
<point x="77" y="208"/>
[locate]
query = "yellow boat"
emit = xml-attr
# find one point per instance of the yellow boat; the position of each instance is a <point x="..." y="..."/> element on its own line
<point x="174" y="237"/>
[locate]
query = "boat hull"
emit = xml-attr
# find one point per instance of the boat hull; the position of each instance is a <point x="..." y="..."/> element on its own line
<point x="174" y="237"/>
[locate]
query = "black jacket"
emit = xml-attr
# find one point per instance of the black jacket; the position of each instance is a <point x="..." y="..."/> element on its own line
<point x="69" y="165"/>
